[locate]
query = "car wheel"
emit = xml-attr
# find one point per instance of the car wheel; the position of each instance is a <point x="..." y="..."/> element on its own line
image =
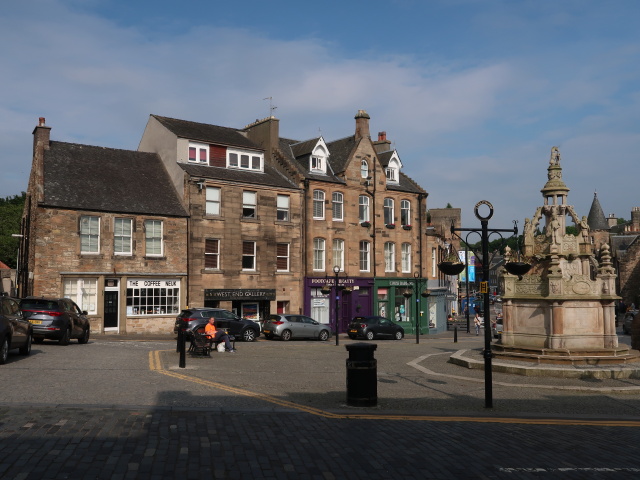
<point x="66" y="335"/>
<point x="4" y="351"/>
<point x="286" y="335"/>
<point x="85" y="336"/>
<point x="399" y="335"/>
<point x="26" y="348"/>
<point x="324" y="336"/>
<point x="370" y="335"/>
<point x="249" y="335"/>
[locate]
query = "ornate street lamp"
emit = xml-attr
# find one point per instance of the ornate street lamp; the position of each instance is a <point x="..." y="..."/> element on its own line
<point x="484" y="233"/>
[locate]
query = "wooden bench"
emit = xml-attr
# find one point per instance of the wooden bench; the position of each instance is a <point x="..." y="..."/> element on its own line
<point x="202" y="345"/>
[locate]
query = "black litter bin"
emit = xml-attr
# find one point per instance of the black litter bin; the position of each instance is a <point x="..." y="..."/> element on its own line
<point x="362" y="375"/>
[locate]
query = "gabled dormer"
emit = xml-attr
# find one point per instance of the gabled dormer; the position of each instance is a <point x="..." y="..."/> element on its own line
<point x="391" y="163"/>
<point x="313" y="155"/>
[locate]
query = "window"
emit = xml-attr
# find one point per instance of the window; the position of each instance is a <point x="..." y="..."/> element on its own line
<point x="153" y="297"/>
<point x="338" y="253"/>
<point x="364" y="256"/>
<point x="153" y="237"/>
<point x="198" y="153"/>
<point x="318" y="253"/>
<point x="212" y="201"/>
<point x="317" y="164"/>
<point x="212" y="253"/>
<point x="389" y="257"/>
<point x="392" y="174"/>
<point x="388" y="212"/>
<point x="282" y="257"/>
<point x="83" y="291"/>
<point x="364" y="168"/>
<point x="89" y="234"/>
<point x="318" y="204"/>
<point x="249" y="256"/>
<point x="245" y="160"/>
<point x="338" y="206"/>
<point x="249" y="204"/>
<point x="405" y="212"/>
<point x="282" y="207"/>
<point x="406" y="258"/>
<point x="363" y="208"/>
<point x="433" y="262"/>
<point x="122" y="236"/>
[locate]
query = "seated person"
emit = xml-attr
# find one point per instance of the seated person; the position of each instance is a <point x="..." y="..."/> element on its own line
<point x="217" y="336"/>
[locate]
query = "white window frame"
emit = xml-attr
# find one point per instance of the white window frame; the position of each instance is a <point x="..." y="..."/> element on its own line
<point x="319" y="254"/>
<point x="162" y="299"/>
<point x="433" y="262"/>
<point x="282" y="255"/>
<point x="338" y="253"/>
<point x="363" y="208"/>
<point x="405" y="212"/>
<point x="365" y="256"/>
<point x="249" y="204"/>
<point x="122" y="236"/>
<point x="212" y="201"/>
<point x="364" y="168"/>
<point x="406" y="258"/>
<point x="389" y="211"/>
<point x="318" y="204"/>
<point x="245" y="160"/>
<point x="199" y="148"/>
<point x="89" y="234"/>
<point x="282" y="208"/>
<point x="153" y="238"/>
<point x="316" y="164"/>
<point x="83" y="292"/>
<point x="337" y="206"/>
<point x="249" y="254"/>
<point x="215" y="254"/>
<point x="389" y="257"/>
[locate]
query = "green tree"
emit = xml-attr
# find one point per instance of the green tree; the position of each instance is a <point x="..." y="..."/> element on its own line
<point x="10" y="215"/>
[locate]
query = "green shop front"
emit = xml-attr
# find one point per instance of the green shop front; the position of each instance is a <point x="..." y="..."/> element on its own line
<point x="408" y="301"/>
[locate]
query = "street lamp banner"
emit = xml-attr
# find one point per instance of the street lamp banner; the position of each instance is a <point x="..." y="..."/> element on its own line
<point x="239" y="294"/>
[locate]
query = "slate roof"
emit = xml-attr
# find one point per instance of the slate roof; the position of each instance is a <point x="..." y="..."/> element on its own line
<point x="206" y="133"/>
<point x="84" y="177"/>
<point x="270" y="176"/>
<point x="596" y="219"/>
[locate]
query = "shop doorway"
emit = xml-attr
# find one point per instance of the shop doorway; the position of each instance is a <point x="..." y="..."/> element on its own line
<point x="111" y="305"/>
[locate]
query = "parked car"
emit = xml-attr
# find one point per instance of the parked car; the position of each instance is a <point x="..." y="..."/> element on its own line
<point x="496" y="327"/>
<point x="56" y="319"/>
<point x="626" y="323"/>
<point x="193" y="318"/>
<point x="288" y="326"/>
<point x="15" y="331"/>
<point x="374" y="327"/>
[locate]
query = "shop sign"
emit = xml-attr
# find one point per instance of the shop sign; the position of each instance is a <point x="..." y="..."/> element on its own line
<point x="239" y="294"/>
<point x="152" y="283"/>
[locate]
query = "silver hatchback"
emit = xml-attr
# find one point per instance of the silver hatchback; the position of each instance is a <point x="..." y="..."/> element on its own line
<point x="288" y="326"/>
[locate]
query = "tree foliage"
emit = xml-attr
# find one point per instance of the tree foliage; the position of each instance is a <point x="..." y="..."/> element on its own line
<point x="10" y="215"/>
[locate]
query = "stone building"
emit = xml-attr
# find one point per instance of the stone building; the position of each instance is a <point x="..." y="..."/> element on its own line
<point x="105" y="228"/>
<point x="625" y="248"/>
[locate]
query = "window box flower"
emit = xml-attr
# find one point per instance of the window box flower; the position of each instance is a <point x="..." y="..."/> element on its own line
<point x="407" y="227"/>
<point x="365" y="224"/>
<point x="391" y="225"/>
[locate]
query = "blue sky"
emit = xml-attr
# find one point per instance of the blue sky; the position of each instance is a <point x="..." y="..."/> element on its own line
<point x="472" y="93"/>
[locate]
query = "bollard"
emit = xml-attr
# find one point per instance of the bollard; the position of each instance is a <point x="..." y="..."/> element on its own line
<point x="181" y="348"/>
<point x="362" y="375"/>
<point x="455" y="334"/>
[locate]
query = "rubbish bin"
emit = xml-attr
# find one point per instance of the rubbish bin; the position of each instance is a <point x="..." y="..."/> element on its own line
<point x="362" y="375"/>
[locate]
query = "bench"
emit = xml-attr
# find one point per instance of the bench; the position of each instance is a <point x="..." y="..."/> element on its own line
<point x="202" y="345"/>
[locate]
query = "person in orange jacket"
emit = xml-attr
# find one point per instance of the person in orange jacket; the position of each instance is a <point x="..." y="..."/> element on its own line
<point x="217" y="336"/>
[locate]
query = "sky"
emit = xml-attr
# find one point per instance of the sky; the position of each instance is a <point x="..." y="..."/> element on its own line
<point x="472" y="93"/>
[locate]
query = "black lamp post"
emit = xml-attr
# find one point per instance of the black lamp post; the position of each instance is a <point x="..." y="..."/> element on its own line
<point x="484" y="233"/>
<point x="326" y="290"/>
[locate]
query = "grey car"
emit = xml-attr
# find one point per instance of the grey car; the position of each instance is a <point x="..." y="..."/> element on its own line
<point x="56" y="319"/>
<point x="289" y="326"/>
<point x="194" y="318"/>
<point x="15" y="331"/>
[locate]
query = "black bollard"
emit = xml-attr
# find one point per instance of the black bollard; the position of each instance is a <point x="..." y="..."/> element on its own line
<point x="455" y="334"/>
<point x="181" y="349"/>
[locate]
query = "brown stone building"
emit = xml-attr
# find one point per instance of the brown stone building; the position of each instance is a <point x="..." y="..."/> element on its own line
<point x="105" y="228"/>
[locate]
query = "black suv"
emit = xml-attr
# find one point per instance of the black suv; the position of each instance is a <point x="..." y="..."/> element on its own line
<point x="15" y="331"/>
<point x="194" y="318"/>
<point x="56" y="318"/>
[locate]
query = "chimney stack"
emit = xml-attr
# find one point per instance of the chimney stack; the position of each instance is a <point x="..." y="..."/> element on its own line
<point x="362" y="125"/>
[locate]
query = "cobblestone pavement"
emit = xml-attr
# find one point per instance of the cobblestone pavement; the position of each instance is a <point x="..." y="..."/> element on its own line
<point x="119" y="409"/>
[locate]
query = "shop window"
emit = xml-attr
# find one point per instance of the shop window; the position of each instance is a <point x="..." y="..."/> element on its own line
<point x="153" y="297"/>
<point x="83" y="291"/>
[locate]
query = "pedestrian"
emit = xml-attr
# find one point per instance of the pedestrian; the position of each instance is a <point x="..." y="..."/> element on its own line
<point x="217" y="336"/>
<point x="477" y="322"/>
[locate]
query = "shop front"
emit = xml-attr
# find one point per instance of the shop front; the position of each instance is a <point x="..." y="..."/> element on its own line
<point x="354" y="298"/>
<point x="250" y="303"/>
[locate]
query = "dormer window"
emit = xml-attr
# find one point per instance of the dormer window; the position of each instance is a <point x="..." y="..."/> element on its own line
<point x="317" y="164"/>
<point x="393" y="169"/>
<point x="364" y="168"/>
<point x="318" y="159"/>
<point x="245" y="160"/>
<point x="198" y="153"/>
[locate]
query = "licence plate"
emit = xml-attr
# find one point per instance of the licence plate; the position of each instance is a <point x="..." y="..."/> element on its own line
<point x="267" y="331"/>
<point x="353" y="331"/>
<point x="35" y="322"/>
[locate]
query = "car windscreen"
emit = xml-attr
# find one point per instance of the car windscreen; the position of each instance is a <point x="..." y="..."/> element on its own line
<point x="38" y="305"/>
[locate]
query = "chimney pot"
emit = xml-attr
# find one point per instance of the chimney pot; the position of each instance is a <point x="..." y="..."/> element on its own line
<point x="41" y="122"/>
<point x="382" y="136"/>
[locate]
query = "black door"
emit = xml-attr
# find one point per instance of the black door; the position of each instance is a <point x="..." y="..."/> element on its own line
<point x="110" y="309"/>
